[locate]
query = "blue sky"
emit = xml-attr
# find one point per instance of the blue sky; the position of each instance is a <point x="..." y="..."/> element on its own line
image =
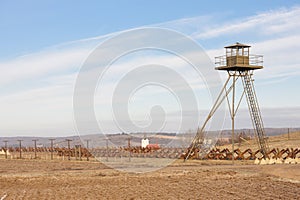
<point x="28" y="26"/>
<point x="43" y="45"/>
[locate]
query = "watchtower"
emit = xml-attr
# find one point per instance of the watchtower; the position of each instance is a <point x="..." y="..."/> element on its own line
<point x="237" y="58"/>
<point x="239" y="65"/>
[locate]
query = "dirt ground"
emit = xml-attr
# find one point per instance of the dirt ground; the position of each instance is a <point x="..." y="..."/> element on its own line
<point x="39" y="179"/>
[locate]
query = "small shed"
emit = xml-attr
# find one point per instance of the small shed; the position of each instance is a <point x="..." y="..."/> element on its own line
<point x="145" y="142"/>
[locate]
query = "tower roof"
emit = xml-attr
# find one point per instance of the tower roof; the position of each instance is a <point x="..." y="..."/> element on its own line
<point x="237" y="44"/>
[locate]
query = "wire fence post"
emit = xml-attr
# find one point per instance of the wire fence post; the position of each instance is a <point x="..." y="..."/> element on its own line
<point x="69" y="149"/>
<point x="20" y="148"/>
<point x="34" y="141"/>
<point x="129" y="147"/>
<point x="87" y="148"/>
<point x="106" y="149"/>
<point x="51" y="150"/>
<point x="5" y="146"/>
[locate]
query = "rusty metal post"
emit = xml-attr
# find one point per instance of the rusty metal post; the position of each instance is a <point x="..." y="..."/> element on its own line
<point x="51" y="150"/>
<point x="5" y="146"/>
<point x="76" y="147"/>
<point x="129" y="148"/>
<point x="87" y="148"/>
<point x="79" y="152"/>
<point x="106" y="149"/>
<point x="69" y="149"/>
<point x="34" y="141"/>
<point x="20" y="147"/>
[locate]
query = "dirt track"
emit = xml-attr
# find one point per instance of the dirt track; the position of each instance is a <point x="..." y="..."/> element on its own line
<point x="21" y="179"/>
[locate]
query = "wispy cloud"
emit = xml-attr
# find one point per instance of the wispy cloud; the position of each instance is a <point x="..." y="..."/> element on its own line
<point x="267" y="23"/>
<point x="41" y="65"/>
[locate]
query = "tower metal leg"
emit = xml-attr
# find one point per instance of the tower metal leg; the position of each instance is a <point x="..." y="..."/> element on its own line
<point x="233" y="116"/>
<point x="199" y="137"/>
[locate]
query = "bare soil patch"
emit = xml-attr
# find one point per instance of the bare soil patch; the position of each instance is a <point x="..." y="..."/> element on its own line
<point x="33" y="179"/>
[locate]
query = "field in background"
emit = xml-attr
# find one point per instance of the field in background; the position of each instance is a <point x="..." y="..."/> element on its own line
<point x="291" y="140"/>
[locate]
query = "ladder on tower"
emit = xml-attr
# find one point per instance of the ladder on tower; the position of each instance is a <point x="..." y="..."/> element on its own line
<point x="255" y="113"/>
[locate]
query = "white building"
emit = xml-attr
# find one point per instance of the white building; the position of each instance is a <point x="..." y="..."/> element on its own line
<point x="145" y="142"/>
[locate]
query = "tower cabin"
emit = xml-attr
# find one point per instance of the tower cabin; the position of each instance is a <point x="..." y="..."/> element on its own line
<point x="238" y="58"/>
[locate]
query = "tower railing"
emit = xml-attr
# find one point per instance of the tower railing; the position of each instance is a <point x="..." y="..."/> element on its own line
<point x="256" y="60"/>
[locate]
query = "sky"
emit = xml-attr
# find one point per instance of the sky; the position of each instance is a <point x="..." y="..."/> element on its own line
<point x="45" y="43"/>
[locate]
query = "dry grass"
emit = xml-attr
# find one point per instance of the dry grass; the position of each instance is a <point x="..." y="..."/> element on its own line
<point x="280" y="141"/>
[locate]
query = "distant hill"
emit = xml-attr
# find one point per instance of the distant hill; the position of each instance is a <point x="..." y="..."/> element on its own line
<point x="269" y="131"/>
<point x="121" y="139"/>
